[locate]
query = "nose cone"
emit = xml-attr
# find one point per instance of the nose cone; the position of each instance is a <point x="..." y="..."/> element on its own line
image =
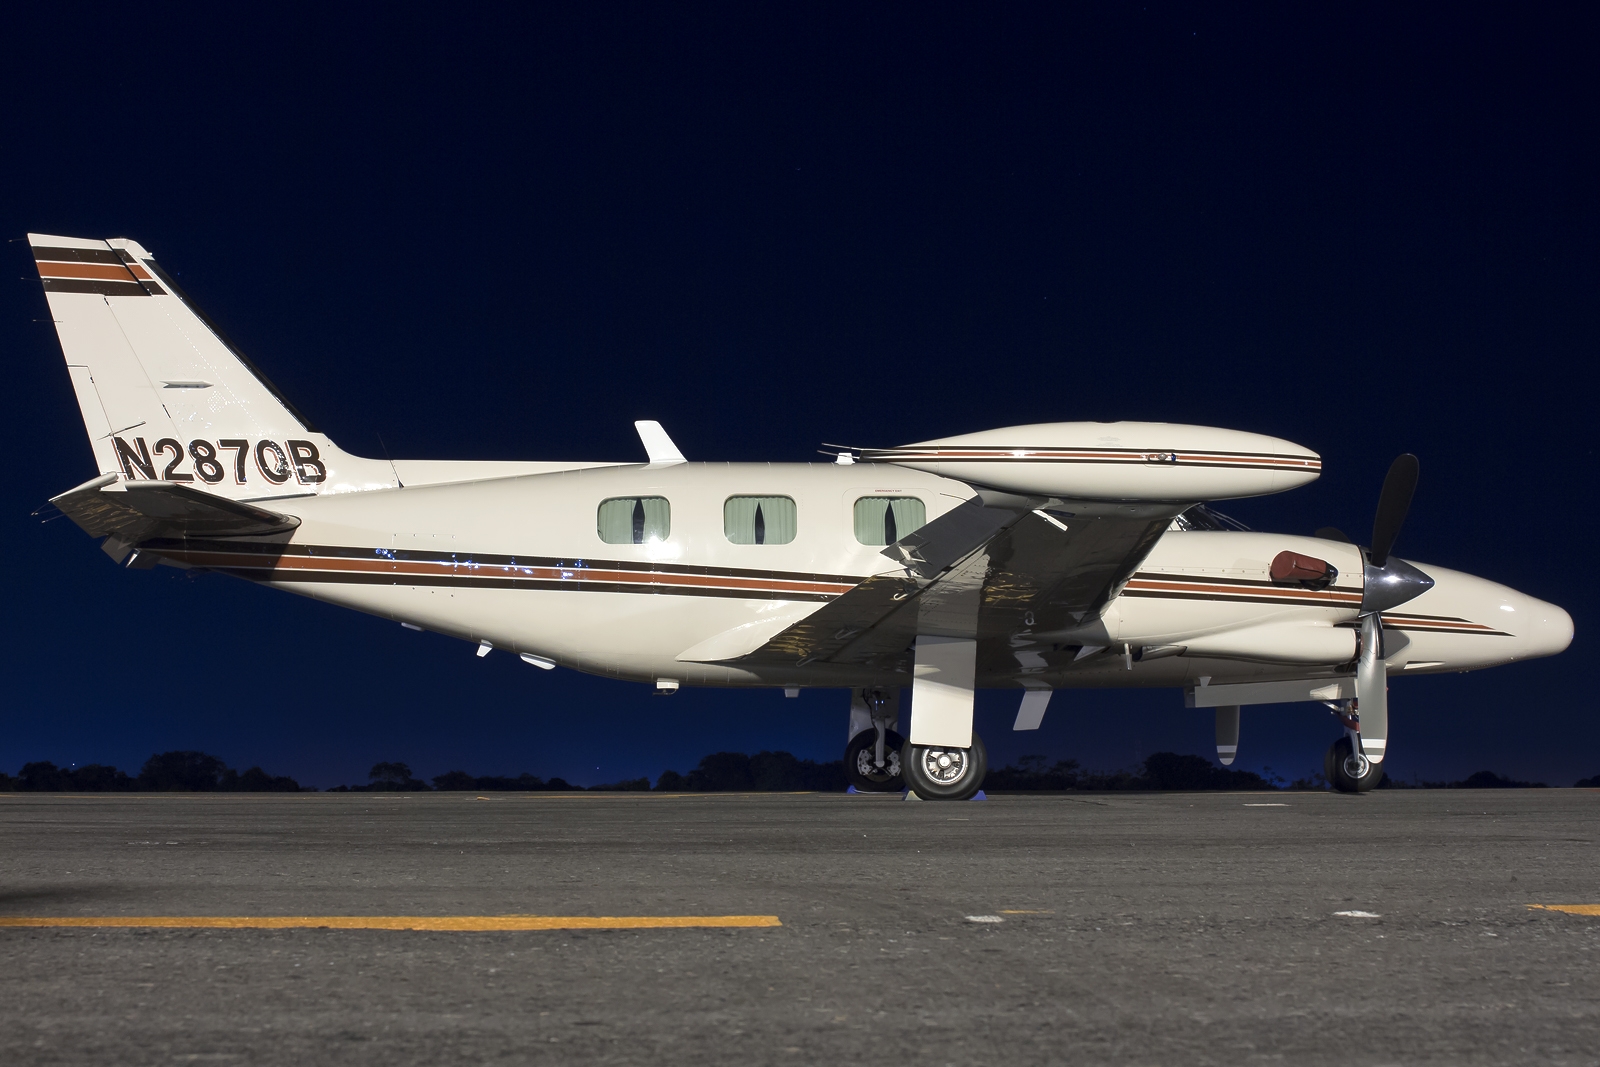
<point x="1541" y="628"/>
<point x="1465" y="622"/>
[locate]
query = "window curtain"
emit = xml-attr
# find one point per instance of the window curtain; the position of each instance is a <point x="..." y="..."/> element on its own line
<point x="759" y="520"/>
<point x="634" y="520"/>
<point x="883" y="520"/>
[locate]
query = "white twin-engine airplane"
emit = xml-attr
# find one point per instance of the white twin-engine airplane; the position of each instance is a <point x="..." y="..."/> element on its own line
<point x="1034" y="558"/>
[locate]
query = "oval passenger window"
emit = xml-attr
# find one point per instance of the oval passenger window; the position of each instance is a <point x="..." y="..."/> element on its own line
<point x="759" y="520"/>
<point x="634" y="520"/>
<point x="883" y="520"/>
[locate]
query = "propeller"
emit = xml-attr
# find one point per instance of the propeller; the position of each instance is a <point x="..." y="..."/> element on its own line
<point x="1399" y="485"/>
<point x="1389" y="582"/>
<point x="1392" y="582"/>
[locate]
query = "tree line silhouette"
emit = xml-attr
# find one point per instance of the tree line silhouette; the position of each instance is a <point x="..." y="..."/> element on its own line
<point x="720" y="772"/>
<point x="166" y="772"/>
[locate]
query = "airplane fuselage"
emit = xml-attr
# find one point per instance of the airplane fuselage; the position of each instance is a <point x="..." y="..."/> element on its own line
<point x="520" y="563"/>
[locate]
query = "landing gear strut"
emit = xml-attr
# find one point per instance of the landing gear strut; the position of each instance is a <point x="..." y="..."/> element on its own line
<point x="872" y="758"/>
<point x="1345" y="766"/>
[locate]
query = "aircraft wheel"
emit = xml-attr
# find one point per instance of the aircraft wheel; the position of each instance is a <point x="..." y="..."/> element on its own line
<point x="945" y="773"/>
<point x="1349" y="772"/>
<point x="863" y="773"/>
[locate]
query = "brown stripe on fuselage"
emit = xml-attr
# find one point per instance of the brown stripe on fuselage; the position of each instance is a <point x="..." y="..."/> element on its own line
<point x="1215" y="579"/>
<point x="1191" y="589"/>
<point x="481" y="559"/>
<point x="523" y="584"/>
<point x="1450" y="624"/>
<point x="1238" y="598"/>
<point x="272" y="567"/>
<point x="1440" y="624"/>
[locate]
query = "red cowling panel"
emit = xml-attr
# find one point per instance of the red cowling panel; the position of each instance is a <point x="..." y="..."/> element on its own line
<point x="1293" y="567"/>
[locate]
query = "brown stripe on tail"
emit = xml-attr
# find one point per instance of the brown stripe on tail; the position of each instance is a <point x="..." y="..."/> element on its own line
<point x="93" y="270"/>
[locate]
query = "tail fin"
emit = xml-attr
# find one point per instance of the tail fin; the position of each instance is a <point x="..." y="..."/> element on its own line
<point x="165" y="396"/>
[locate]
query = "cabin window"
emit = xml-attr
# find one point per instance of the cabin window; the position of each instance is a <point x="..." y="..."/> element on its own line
<point x="634" y="520"/>
<point x="759" y="520"/>
<point x="883" y="520"/>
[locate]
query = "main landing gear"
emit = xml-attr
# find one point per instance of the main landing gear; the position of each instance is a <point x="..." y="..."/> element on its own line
<point x="945" y="773"/>
<point x="1345" y="766"/>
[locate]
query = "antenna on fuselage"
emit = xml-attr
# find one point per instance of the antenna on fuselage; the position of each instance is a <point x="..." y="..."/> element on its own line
<point x="392" y="468"/>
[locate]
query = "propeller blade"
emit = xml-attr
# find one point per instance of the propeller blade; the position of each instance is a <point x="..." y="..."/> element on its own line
<point x="1333" y="533"/>
<point x="1393" y="503"/>
<point x="1227" y="734"/>
<point x="1372" y="689"/>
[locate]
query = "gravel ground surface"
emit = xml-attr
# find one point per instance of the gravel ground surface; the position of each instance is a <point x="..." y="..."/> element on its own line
<point x="1082" y="928"/>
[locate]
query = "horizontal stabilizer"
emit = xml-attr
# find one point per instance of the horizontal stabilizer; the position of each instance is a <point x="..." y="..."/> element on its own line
<point x="137" y="511"/>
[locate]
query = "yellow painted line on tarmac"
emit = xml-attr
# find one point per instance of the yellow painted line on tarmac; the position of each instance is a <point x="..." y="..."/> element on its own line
<point x="641" y="794"/>
<point x="394" y="922"/>
<point x="1570" y="909"/>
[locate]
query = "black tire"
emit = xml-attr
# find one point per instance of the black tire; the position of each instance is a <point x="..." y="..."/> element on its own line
<point x="1338" y="773"/>
<point x="858" y="762"/>
<point x="924" y="775"/>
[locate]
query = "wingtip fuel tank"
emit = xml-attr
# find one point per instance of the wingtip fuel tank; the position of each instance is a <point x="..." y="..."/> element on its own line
<point x="1117" y="461"/>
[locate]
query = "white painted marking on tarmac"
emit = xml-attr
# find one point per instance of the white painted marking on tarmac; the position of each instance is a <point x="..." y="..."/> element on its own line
<point x="984" y="919"/>
<point x="1266" y="805"/>
<point x="1359" y="914"/>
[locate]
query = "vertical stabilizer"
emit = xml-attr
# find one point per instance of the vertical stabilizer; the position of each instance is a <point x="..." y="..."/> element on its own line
<point x="165" y="396"/>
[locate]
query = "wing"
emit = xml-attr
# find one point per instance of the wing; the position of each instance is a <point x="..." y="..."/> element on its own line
<point x="993" y="573"/>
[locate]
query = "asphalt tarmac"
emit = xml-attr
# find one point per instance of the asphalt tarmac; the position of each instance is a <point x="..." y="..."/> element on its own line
<point x="1080" y="928"/>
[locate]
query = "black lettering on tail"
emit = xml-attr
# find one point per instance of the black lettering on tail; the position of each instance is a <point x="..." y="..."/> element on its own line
<point x="135" y="461"/>
<point x="308" y="465"/>
<point x="274" y="469"/>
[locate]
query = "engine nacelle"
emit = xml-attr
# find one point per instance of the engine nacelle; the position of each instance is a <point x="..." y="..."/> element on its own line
<point x="1114" y="461"/>
<point x="1278" y="643"/>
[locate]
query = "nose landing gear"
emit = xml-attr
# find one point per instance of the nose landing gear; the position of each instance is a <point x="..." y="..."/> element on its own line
<point x="872" y="758"/>
<point x="871" y="770"/>
<point x="1345" y="766"/>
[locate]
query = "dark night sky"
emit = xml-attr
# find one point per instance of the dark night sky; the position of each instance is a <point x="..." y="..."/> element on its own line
<point x="507" y="235"/>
